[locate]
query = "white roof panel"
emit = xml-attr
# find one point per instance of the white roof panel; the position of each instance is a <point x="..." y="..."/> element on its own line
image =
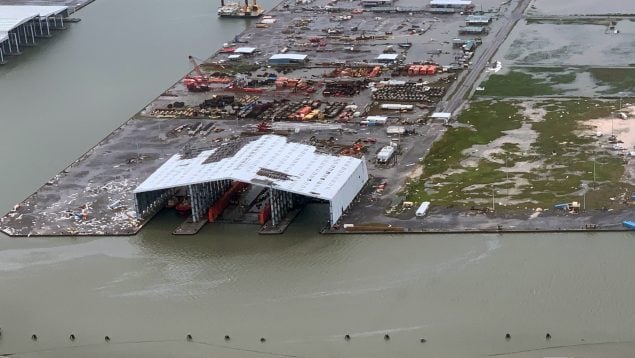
<point x="245" y="50"/>
<point x="288" y="56"/>
<point x="13" y="16"/>
<point x="445" y="115"/>
<point x="269" y="161"/>
<point x="388" y="56"/>
<point x="451" y="2"/>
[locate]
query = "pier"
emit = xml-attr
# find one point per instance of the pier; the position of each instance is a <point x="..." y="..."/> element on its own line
<point x="345" y="81"/>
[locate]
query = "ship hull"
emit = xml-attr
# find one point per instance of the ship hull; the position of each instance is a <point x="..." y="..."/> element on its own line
<point x="235" y="16"/>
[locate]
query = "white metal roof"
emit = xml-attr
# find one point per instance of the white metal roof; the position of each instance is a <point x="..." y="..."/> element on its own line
<point x="423" y="208"/>
<point x="13" y="16"/>
<point x="247" y="50"/>
<point x="442" y="115"/>
<point x="288" y="56"/>
<point x="451" y="2"/>
<point x="300" y="168"/>
<point x="388" y="56"/>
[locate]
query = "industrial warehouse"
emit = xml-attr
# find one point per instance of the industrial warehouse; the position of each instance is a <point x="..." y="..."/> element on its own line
<point x="331" y="103"/>
<point x="286" y="173"/>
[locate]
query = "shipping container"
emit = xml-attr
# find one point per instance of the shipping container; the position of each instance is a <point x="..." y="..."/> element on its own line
<point x="376" y="120"/>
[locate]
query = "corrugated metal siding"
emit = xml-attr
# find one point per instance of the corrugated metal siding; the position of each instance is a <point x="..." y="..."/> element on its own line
<point x="337" y="179"/>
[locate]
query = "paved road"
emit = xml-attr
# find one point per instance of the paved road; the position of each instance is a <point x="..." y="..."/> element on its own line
<point x="487" y="51"/>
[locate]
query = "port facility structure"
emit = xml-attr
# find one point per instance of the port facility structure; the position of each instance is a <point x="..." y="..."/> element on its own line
<point x="291" y="171"/>
<point x="20" y="25"/>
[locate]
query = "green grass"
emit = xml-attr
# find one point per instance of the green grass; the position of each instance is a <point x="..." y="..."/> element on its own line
<point x="562" y="120"/>
<point x="565" y="21"/>
<point x="619" y="79"/>
<point x="517" y="84"/>
<point x="542" y="69"/>
<point x="487" y="119"/>
<point x="563" y="78"/>
<point x="557" y="178"/>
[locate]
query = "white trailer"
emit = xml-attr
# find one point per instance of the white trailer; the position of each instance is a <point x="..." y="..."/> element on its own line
<point x="423" y="209"/>
<point x="397" y="106"/>
<point x="385" y="154"/>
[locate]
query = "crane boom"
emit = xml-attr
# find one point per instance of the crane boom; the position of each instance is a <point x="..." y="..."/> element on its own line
<point x="197" y="68"/>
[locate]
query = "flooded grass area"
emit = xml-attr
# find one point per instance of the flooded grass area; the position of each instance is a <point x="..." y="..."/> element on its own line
<point x="524" y="156"/>
<point x="566" y="81"/>
<point x="586" y="7"/>
<point x="569" y="42"/>
<point x="568" y="21"/>
<point x="617" y="79"/>
<point x="526" y="82"/>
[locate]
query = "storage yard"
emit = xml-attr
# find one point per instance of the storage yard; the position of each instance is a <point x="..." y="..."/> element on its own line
<point x="373" y="83"/>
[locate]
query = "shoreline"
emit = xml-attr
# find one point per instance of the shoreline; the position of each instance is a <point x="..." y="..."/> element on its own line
<point x="103" y="183"/>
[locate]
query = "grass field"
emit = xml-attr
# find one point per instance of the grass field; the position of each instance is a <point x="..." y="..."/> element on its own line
<point x="619" y="79"/>
<point x="517" y="84"/>
<point x="561" y="160"/>
<point x="522" y="81"/>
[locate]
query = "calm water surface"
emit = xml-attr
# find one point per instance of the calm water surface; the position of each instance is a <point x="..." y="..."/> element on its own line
<point x="302" y="292"/>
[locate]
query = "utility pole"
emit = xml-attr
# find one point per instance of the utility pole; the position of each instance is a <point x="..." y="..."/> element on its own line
<point x="493" y="207"/>
<point x="507" y="180"/>
<point x="594" y="183"/>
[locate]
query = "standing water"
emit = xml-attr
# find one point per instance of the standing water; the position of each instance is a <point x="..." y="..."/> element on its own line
<point x="301" y="292"/>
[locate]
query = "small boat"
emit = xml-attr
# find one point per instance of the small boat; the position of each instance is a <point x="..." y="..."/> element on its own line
<point x="171" y="203"/>
<point x="405" y="45"/>
<point x="183" y="207"/>
<point x="629" y="225"/>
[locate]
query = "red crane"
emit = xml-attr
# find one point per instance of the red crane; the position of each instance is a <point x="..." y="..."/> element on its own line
<point x="198" y="83"/>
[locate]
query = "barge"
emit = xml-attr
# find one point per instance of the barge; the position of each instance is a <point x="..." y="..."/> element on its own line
<point x="235" y="9"/>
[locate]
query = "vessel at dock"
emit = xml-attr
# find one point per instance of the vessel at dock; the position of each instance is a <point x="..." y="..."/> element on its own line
<point x="235" y="9"/>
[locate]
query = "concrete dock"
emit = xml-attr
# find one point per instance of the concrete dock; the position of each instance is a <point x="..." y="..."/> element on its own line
<point x="344" y="45"/>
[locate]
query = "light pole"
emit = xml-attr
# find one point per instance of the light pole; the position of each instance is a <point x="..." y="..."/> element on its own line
<point x="493" y="207"/>
<point x="507" y="179"/>
<point x="594" y="184"/>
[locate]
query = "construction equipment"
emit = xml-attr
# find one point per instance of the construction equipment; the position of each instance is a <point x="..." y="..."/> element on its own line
<point x="264" y="127"/>
<point x="198" y="83"/>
